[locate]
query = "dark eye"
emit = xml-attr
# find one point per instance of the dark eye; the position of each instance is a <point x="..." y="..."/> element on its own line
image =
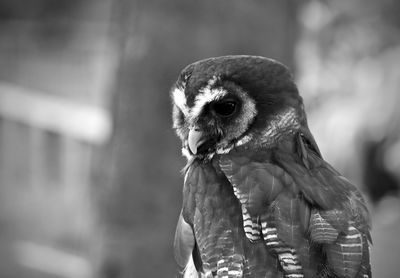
<point x="225" y="108"/>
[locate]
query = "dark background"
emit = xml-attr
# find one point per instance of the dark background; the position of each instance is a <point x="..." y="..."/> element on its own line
<point x="90" y="167"/>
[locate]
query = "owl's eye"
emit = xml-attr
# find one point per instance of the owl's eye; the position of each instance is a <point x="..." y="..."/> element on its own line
<point x="225" y="108"/>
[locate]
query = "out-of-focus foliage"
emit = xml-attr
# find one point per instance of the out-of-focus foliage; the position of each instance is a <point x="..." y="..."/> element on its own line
<point x="349" y="74"/>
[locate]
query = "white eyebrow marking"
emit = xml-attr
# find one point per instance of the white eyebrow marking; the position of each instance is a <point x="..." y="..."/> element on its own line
<point x="207" y="95"/>
<point x="179" y="97"/>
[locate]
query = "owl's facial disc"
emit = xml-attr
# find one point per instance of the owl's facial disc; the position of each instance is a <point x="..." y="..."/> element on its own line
<point x="208" y="132"/>
<point x="217" y="119"/>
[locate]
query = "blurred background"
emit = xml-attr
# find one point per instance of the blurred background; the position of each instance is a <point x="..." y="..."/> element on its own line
<point x="90" y="183"/>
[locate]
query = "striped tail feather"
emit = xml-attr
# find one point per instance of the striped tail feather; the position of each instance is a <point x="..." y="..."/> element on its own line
<point x="346" y="254"/>
<point x="231" y="267"/>
<point x="286" y="255"/>
<point x="251" y="226"/>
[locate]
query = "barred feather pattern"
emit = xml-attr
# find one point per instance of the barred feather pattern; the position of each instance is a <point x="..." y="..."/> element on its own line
<point x="215" y="214"/>
<point x="312" y="228"/>
<point x="251" y="226"/>
<point x="286" y="255"/>
<point x="345" y="255"/>
<point x="321" y="231"/>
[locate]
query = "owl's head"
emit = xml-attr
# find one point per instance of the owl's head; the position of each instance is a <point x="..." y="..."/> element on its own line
<point x="234" y="101"/>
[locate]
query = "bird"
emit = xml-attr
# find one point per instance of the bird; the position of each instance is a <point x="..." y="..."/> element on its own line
<point x="258" y="198"/>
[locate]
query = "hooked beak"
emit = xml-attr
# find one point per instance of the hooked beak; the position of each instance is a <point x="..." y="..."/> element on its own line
<point x="195" y="139"/>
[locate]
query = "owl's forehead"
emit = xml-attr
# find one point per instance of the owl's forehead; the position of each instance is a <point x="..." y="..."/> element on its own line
<point x="192" y="100"/>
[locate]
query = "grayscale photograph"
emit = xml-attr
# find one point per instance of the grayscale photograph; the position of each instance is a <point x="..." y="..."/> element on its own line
<point x="199" y="139"/>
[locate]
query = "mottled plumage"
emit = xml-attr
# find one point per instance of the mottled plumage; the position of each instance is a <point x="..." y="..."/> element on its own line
<point x="258" y="199"/>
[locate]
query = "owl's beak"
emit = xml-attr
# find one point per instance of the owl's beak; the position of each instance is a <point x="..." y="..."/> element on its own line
<point x="195" y="139"/>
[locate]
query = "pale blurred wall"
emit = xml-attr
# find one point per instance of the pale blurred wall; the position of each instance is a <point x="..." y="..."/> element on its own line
<point x="57" y="64"/>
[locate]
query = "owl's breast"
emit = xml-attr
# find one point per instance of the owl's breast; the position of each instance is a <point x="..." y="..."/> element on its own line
<point x="215" y="214"/>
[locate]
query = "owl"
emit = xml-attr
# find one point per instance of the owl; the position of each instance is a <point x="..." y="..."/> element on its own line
<point x="258" y="198"/>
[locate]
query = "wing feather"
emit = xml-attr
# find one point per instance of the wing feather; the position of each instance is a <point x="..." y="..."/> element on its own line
<point x="309" y="214"/>
<point x="184" y="244"/>
<point x="345" y="254"/>
<point x="286" y="215"/>
<point x="321" y="231"/>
